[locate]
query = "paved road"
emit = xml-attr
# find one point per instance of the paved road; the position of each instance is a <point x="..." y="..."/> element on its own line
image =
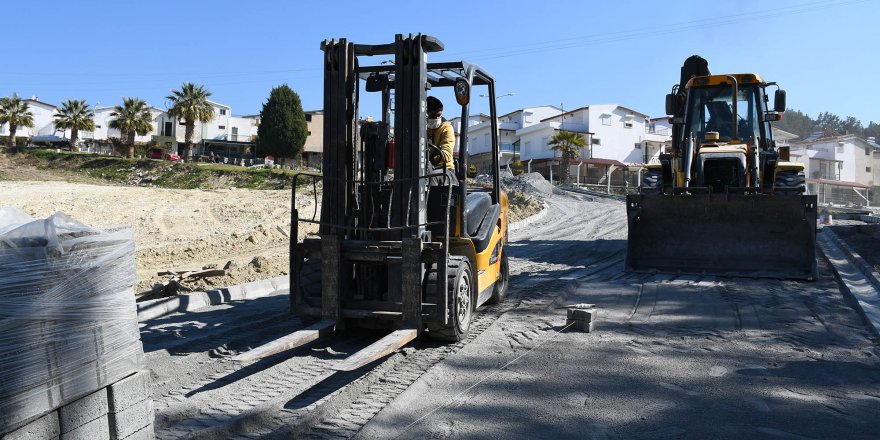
<point x="672" y="357"/>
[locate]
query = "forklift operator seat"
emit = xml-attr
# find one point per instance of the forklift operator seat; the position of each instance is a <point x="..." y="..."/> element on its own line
<point x="477" y="206"/>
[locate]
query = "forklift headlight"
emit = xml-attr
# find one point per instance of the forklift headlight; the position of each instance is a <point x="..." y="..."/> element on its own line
<point x="462" y="91"/>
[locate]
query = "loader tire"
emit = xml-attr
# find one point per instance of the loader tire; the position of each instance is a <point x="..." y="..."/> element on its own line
<point x="460" y="285"/>
<point x="309" y="288"/>
<point x="499" y="292"/>
<point x="652" y="182"/>
<point x="790" y="183"/>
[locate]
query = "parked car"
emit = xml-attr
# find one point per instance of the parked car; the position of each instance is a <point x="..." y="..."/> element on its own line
<point x="172" y="157"/>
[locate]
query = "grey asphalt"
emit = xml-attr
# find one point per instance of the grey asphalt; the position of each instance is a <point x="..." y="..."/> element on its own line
<point x="670" y="358"/>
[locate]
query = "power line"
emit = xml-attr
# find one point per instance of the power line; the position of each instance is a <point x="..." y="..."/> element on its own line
<point x="611" y="37"/>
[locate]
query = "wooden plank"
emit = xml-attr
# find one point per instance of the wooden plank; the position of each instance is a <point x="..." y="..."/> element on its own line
<point x="289" y="342"/>
<point x="378" y="349"/>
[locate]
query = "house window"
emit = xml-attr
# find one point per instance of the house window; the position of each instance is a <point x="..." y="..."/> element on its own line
<point x="167" y="128"/>
<point x="606" y="119"/>
<point x="308" y="118"/>
<point x="867" y="151"/>
<point x="628" y="123"/>
<point x="97" y="126"/>
<point x="310" y="133"/>
<point x="867" y="169"/>
<point x="596" y="141"/>
<point x="222" y="112"/>
<point x="234" y="133"/>
<point x="527" y="117"/>
<point x="638" y="145"/>
<point x="222" y="127"/>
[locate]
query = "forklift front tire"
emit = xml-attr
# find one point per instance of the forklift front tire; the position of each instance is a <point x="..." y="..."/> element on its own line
<point x="460" y="284"/>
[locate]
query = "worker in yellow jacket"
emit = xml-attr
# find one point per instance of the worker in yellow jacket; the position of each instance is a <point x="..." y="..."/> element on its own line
<point x="442" y="136"/>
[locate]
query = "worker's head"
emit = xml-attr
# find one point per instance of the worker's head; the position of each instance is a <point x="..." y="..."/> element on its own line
<point x="435" y="112"/>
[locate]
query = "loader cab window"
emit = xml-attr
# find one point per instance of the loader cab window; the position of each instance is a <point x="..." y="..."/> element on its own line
<point x="711" y="109"/>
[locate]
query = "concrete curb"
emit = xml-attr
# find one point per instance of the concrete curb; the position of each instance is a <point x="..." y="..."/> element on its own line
<point x="857" y="284"/>
<point x="528" y="221"/>
<point x="158" y="308"/>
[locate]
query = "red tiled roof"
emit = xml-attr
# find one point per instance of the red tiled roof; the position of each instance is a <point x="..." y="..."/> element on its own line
<point x="838" y="183"/>
<point x="594" y="161"/>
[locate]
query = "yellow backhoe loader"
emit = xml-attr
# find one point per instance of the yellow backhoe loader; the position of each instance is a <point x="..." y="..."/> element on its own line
<point x="723" y="199"/>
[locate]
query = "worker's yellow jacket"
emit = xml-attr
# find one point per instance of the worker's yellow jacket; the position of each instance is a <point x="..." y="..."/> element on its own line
<point x="444" y="137"/>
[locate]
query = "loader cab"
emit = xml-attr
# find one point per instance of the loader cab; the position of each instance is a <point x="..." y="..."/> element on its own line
<point x="710" y="109"/>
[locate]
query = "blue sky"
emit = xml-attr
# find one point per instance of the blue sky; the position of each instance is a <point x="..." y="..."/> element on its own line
<point x="826" y="54"/>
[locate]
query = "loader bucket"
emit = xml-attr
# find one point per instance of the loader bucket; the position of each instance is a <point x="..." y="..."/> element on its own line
<point x="754" y="235"/>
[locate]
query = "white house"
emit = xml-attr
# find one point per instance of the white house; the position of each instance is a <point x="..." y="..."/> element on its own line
<point x="480" y="139"/>
<point x="472" y="120"/>
<point x="617" y="138"/>
<point x="103" y="131"/>
<point x="840" y="169"/>
<point x="44" y="120"/>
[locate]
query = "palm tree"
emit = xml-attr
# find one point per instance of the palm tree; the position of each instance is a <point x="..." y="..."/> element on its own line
<point x="14" y="111"/>
<point x="76" y="115"/>
<point x="569" y="144"/>
<point x="130" y="118"/>
<point x="190" y="103"/>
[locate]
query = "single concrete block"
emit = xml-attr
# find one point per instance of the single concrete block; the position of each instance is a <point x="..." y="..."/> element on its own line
<point x="131" y="420"/>
<point x="45" y="427"/>
<point x="129" y="391"/>
<point x="98" y="429"/>
<point x="82" y="411"/>
<point x="146" y="433"/>
<point x="581" y="317"/>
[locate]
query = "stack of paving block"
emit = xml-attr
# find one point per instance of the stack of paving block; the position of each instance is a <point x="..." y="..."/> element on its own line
<point x="68" y="331"/>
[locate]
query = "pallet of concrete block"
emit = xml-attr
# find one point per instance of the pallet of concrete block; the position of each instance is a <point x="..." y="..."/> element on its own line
<point x="68" y="321"/>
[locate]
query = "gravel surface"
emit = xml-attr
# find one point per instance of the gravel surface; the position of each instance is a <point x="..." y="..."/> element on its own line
<point x="671" y="357"/>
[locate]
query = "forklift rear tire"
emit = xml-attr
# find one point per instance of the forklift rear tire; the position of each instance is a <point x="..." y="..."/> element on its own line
<point x="310" y="288"/>
<point x="500" y="290"/>
<point x="460" y="284"/>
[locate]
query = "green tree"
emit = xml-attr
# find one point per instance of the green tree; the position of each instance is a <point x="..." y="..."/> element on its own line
<point x="829" y="121"/>
<point x="14" y="111"/>
<point x="190" y="103"/>
<point x="851" y="125"/>
<point x="569" y="144"/>
<point x="130" y="118"/>
<point x="873" y="130"/>
<point x="283" y="128"/>
<point x="795" y="122"/>
<point x="75" y="115"/>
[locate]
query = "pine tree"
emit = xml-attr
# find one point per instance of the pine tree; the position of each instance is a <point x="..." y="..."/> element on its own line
<point x="283" y="129"/>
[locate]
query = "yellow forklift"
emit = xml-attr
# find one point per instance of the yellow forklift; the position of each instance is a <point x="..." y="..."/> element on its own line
<point x="402" y="245"/>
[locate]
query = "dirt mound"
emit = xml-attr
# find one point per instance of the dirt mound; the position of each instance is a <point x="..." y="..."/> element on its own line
<point x="530" y="183"/>
<point x="522" y="205"/>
